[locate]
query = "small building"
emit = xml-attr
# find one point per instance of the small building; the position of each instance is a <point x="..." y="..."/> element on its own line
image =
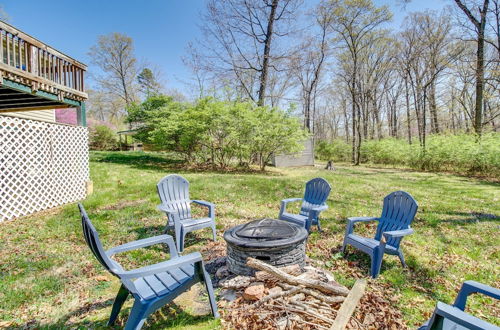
<point x="43" y="164"/>
<point x="302" y="158"/>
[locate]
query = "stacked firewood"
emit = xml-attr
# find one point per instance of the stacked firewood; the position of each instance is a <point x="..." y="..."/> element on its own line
<point x="287" y="298"/>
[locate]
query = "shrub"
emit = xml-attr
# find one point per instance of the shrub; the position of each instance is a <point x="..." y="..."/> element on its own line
<point x="337" y="150"/>
<point x="451" y="153"/>
<point x="217" y="132"/>
<point x="102" y="138"/>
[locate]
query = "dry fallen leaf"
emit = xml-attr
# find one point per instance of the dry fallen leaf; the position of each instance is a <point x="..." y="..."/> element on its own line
<point x="101" y="278"/>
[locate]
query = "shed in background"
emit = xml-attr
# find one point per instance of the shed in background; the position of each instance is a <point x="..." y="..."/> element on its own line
<point x="303" y="158"/>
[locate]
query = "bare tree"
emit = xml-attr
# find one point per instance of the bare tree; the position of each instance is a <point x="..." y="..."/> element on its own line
<point x="354" y="21"/>
<point x="114" y="55"/>
<point x="308" y="64"/>
<point x="479" y="23"/>
<point x="105" y="107"/>
<point x="241" y="41"/>
<point x="426" y="51"/>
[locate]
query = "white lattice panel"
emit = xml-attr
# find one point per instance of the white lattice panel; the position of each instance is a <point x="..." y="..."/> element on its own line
<point x="42" y="165"/>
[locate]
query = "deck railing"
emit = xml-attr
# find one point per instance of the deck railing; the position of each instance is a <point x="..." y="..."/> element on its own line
<point x="30" y="61"/>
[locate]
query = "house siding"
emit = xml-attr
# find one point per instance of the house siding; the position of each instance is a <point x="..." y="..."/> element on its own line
<point x="42" y="115"/>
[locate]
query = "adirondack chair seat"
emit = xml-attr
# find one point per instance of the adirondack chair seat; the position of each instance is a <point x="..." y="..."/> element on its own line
<point x="162" y="284"/>
<point x="313" y="203"/>
<point x="297" y="218"/>
<point x="368" y="244"/>
<point x="195" y="222"/>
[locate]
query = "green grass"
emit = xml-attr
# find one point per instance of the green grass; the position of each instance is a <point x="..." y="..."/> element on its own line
<point x="49" y="279"/>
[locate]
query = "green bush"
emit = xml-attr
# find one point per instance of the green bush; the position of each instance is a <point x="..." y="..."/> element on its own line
<point x="389" y="151"/>
<point x="337" y="150"/>
<point x="102" y="138"/>
<point x="443" y="153"/>
<point x="217" y="132"/>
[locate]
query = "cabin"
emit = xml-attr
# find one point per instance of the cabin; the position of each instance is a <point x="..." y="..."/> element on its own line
<point x="43" y="164"/>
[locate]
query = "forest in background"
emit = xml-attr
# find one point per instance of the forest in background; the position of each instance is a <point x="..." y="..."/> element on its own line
<point x="340" y="66"/>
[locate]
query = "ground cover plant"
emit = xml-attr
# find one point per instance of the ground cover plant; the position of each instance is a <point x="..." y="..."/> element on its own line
<point x="49" y="278"/>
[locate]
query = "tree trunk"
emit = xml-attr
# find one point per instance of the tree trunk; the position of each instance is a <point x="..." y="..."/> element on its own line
<point x="267" y="51"/>
<point x="478" y="112"/>
<point x="346" y="121"/>
<point x="354" y="115"/>
<point x="480" y="26"/>
<point x="433" y="108"/>
<point x="408" y="123"/>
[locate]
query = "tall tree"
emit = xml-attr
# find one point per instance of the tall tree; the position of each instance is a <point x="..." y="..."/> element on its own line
<point x="354" y="21"/>
<point x="114" y="55"/>
<point x="149" y="83"/>
<point x="479" y="23"/>
<point x="241" y="41"/>
<point x="308" y="63"/>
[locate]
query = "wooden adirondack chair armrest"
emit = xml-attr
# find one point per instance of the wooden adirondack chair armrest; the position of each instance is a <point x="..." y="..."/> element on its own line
<point x="319" y="208"/>
<point x="397" y="233"/>
<point x="210" y="206"/>
<point x="166" y="239"/>
<point x="470" y="287"/>
<point x="361" y="219"/>
<point x="290" y="200"/>
<point x="352" y="220"/>
<point x="203" y="203"/>
<point x="284" y="203"/>
<point x="164" y="266"/>
<point x="458" y="316"/>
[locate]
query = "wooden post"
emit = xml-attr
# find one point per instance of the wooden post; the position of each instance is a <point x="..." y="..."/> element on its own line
<point x="1" y="47"/>
<point x="81" y="116"/>
<point x="89" y="187"/>
<point x="349" y="305"/>
<point x="26" y="56"/>
<point x="7" y="39"/>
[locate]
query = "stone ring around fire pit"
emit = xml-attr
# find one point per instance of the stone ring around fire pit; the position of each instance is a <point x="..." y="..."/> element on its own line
<point x="276" y="242"/>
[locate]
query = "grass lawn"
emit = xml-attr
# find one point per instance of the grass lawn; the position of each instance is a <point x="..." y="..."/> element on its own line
<point x="48" y="277"/>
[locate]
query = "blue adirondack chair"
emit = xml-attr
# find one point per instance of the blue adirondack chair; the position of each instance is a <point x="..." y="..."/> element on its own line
<point x="453" y="317"/>
<point x="314" y="201"/>
<point x="174" y="195"/>
<point x="151" y="286"/>
<point x="394" y="224"/>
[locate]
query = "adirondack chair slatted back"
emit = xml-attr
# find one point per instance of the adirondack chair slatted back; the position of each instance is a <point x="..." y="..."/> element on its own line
<point x="316" y="194"/>
<point x="397" y="214"/>
<point x="174" y="193"/>
<point x="92" y="239"/>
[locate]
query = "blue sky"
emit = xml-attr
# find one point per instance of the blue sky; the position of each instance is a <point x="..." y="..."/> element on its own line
<point x="161" y="29"/>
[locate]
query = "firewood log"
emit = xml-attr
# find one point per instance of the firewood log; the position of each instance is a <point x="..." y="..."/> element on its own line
<point x="329" y="288"/>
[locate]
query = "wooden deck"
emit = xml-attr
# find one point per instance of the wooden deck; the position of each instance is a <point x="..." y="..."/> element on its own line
<point x="33" y="75"/>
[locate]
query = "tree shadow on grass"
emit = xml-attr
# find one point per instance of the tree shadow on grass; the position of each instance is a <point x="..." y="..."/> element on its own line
<point x="480" y="178"/>
<point x="170" y="315"/>
<point x="415" y="275"/>
<point x="192" y="238"/>
<point x="163" y="161"/>
<point x="470" y="218"/>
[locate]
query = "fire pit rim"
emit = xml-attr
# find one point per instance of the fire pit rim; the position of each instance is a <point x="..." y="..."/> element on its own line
<point x="231" y="237"/>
